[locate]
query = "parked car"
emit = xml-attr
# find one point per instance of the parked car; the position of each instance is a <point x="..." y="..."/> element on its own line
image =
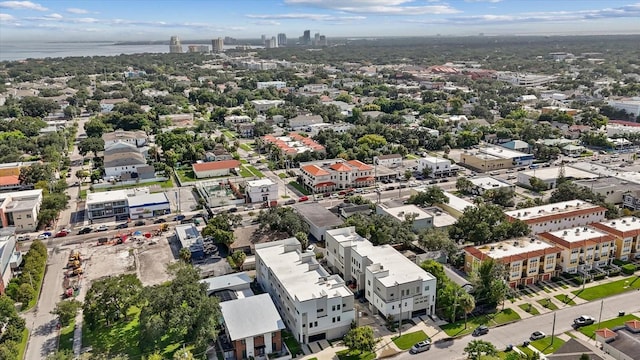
<point x="444" y="180"/>
<point x="186" y="221"/>
<point x="537" y="335"/>
<point x="303" y="198"/>
<point x="44" y="236"/>
<point x="139" y="223"/>
<point x="85" y="230"/>
<point x="311" y="248"/>
<point x="232" y="210"/>
<point x="23" y="237"/>
<point x="420" y="347"/>
<point x="434" y="181"/>
<point x="102" y="228"/>
<point x="160" y="221"/>
<point x="583" y="320"/>
<point x="179" y="217"/>
<point x="290" y="202"/>
<point x="122" y="226"/>
<point x="480" y="330"/>
<point x="61" y="234"/>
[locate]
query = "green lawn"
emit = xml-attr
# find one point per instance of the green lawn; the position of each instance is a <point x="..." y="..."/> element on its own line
<point x="544" y="345"/>
<point x="83" y="193"/>
<point x="186" y="175"/>
<point x="299" y="188"/>
<point x="609" y="289"/>
<point x="163" y="184"/>
<point x="411" y="157"/>
<point x="244" y="172"/>
<point x="282" y="175"/>
<point x="355" y="355"/>
<point x="292" y="343"/>
<point x="22" y="347"/>
<point x="246" y="147"/>
<point x="122" y="338"/>
<point x="406" y="341"/>
<point x="66" y="337"/>
<point x="546" y="303"/>
<point x="565" y="299"/>
<point x="230" y="135"/>
<point x="588" y="330"/>
<point x="528" y="352"/>
<point x="458" y="328"/>
<point x="529" y="308"/>
<point x="255" y="171"/>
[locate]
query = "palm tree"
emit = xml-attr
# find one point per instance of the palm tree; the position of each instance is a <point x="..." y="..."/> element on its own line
<point x="468" y="303"/>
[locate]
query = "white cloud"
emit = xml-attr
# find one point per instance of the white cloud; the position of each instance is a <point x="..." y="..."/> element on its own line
<point x="305" y="16"/>
<point x="267" y="22"/>
<point x="489" y="1"/>
<point x="54" y="16"/>
<point x="6" y="17"/>
<point x="22" y="5"/>
<point x="77" y="11"/>
<point x="386" y="7"/>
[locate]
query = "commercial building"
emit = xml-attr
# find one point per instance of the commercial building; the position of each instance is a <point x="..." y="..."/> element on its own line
<point x="263" y="190"/>
<point x="613" y="189"/>
<point x="217" y="45"/>
<point x="550" y="175"/>
<point x="631" y="106"/>
<point x="320" y="177"/>
<point x="390" y="160"/>
<point x="558" y="216"/>
<point x="527" y="260"/>
<point x="267" y="84"/>
<point x="626" y="233"/>
<point x="583" y="248"/>
<point x="175" y="47"/>
<point x="313" y="304"/>
<point x="400" y="212"/>
<point x="126" y="204"/>
<point x="490" y="158"/>
<point x="318" y="218"/>
<point x="215" y="168"/>
<point x="189" y="238"/>
<point x="20" y="209"/>
<point x="391" y="283"/>
<point x="482" y="184"/>
<point x="253" y="326"/>
<point x="526" y="80"/>
<point x="10" y="258"/>
<point x="293" y="144"/>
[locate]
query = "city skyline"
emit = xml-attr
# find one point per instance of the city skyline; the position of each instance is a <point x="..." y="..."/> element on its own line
<point x="190" y="19"/>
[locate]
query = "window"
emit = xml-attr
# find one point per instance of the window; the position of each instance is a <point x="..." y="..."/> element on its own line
<point x="315" y="323"/>
<point x="426" y="288"/>
<point x="338" y="318"/>
<point x="333" y="319"/>
<point x="310" y="324"/>
<point x="320" y="310"/>
<point x="338" y="306"/>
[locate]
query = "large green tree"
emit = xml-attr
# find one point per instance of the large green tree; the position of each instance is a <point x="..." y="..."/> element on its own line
<point x="429" y="196"/>
<point x="361" y="339"/>
<point x="109" y="299"/>
<point x="476" y="348"/>
<point x="489" y="283"/>
<point x="486" y="223"/>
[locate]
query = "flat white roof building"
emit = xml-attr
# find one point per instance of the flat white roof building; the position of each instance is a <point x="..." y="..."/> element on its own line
<point x="314" y="304"/>
<point x="558" y="216"/>
<point x="392" y="284"/>
<point x="550" y="175"/>
<point x="482" y="184"/>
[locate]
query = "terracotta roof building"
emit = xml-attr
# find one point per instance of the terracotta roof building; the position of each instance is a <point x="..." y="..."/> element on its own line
<point x="626" y="234"/>
<point x="558" y="216"/>
<point x="583" y="248"/>
<point x="214" y="168"/>
<point x="293" y="144"/>
<point x="335" y="175"/>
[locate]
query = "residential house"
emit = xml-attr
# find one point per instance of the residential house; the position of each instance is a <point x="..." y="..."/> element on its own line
<point x="118" y="164"/>
<point x="215" y="168"/>
<point x="107" y="105"/>
<point x="267" y="84"/>
<point x="301" y="121"/>
<point x="260" y="191"/>
<point x="253" y="327"/>
<point x="517" y="145"/>
<point x="262" y="106"/>
<point x="527" y="260"/>
<point x="393" y="285"/>
<point x="583" y="248"/>
<point x="313" y="304"/>
<point x="245" y="130"/>
<point x="322" y="177"/>
<point x="20" y="209"/>
<point x="420" y="219"/>
<point x="626" y="233"/>
<point x="558" y="216"/>
<point x="621" y="343"/>
<point x="179" y="120"/>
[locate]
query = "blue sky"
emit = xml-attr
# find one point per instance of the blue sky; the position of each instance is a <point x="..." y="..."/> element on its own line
<point x="205" y="19"/>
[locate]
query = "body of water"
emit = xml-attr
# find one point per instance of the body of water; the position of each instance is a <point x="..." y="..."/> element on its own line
<point x="26" y="50"/>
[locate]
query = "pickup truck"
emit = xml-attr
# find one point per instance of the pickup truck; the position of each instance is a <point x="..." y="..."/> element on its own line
<point x="583" y="320"/>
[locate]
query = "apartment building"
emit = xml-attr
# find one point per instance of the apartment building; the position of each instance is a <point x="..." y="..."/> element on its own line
<point x="313" y="304"/>
<point x="626" y="234"/>
<point x="126" y="204"/>
<point x="391" y="283"/>
<point x="558" y="216"/>
<point x="19" y="209"/>
<point x="322" y="177"/>
<point x="293" y="144"/>
<point x="583" y="248"/>
<point x="138" y="138"/>
<point x="527" y="260"/>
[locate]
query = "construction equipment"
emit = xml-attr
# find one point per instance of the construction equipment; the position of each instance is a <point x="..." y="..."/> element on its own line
<point x="74" y="264"/>
<point x="78" y="271"/>
<point x="69" y="292"/>
<point x="75" y="255"/>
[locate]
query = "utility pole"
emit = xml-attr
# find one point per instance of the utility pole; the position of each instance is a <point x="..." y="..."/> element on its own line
<point x="600" y="316"/>
<point x="553" y="328"/>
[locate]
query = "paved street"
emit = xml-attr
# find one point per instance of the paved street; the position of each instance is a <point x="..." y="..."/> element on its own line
<point x="40" y="322"/>
<point x="517" y="332"/>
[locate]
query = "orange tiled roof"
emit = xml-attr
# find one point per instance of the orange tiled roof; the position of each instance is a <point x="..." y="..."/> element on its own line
<point x="633" y="324"/>
<point x="340" y="167"/>
<point x="359" y="165"/>
<point x="216" y="165"/>
<point x="9" y="180"/>
<point x="605" y="333"/>
<point x="315" y="170"/>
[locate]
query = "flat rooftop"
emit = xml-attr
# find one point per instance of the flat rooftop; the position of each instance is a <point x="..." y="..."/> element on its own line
<point x="541" y="211"/>
<point x="400" y="212"/>
<point x="629" y="223"/>
<point x="250" y="316"/>
<point x="228" y="281"/>
<point x="147" y="199"/>
<point x="502" y="153"/>
<point x="551" y="173"/>
<point x="578" y="234"/>
<point x="299" y="279"/>
<point x="259" y="183"/>
<point x="318" y="215"/>
<point x="21" y="205"/>
<point x="488" y="183"/>
<point x="458" y="203"/>
<point x="115" y="195"/>
<point x="515" y="247"/>
<point x="441" y="218"/>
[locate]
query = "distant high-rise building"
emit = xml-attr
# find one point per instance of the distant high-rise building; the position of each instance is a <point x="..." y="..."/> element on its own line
<point x="198" y="48"/>
<point x="282" y="39"/>
<point x="271" y="43"/>
<point x="316" y="39"/>
<point x="323" y="41"/>
<point x="263" y="38"/>
<point x="217" y="45"/>
<point x="174" y="45"/>
<point x="306" y="38"/>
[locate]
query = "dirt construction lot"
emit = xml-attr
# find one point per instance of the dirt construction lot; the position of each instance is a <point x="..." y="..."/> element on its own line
<point x="147" y="258"/>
